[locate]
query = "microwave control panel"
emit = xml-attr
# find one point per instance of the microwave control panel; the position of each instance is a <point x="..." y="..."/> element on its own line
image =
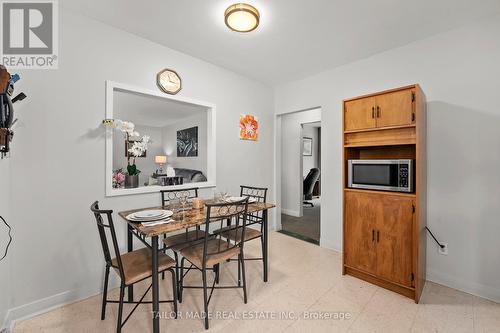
<point x="403" y="175"/>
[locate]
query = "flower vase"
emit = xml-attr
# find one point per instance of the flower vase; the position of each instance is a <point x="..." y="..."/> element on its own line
<point x="131" y="181"/>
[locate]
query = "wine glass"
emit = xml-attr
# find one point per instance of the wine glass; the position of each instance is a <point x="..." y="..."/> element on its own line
<point x="224" y="194"/>
<point x="183" y="199"/>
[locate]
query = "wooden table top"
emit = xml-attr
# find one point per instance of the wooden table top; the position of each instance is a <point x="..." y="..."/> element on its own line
<point x="190" y="218"/>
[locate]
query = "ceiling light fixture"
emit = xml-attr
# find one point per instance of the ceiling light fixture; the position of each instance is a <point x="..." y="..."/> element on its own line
<point x="242" y="17"/>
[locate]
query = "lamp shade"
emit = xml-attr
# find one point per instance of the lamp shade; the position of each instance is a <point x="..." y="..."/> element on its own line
<point x="160" y="159"/>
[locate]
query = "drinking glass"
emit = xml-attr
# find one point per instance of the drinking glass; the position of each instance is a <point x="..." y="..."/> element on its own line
<point x="183" y="200"/>
<point x="224" y="195"/>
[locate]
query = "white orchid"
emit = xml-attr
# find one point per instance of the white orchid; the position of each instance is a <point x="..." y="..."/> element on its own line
<point x="129" y="127"/>
<point x="140" y="147"/>
<point x="126" y="127"/>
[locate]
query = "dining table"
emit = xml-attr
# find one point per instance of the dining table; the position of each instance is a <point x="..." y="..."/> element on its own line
<point x="185" y="217"/>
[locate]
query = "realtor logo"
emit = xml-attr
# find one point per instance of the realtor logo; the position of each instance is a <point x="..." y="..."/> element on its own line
<point x="29" y="34"/>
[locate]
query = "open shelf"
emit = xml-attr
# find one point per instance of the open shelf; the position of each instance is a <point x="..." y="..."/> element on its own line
<point x="404" y="151"/>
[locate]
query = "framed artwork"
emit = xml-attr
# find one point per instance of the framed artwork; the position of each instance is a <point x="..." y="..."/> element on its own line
<point x="129" y="144"/>
<point x="187" y="142"/>
<point x="249" y="126"/>
<point x="307" y="146"/>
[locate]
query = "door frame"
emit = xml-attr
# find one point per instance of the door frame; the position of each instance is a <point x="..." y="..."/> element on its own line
<point x="277" y="163"/>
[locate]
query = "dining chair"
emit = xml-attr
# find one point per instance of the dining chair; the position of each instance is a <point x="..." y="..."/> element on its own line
<point x="260" y="195"/>
<point x="184" y="239"/>
<point x="131" y="267"/>
<point x="214" y="250"/>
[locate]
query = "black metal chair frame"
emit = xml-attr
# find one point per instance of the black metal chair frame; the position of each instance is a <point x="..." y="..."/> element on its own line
<point x="260" y="194"/>
<point x="230" y="212"/>
<point x="102" y="226"/>
<point x="166" y="197"/>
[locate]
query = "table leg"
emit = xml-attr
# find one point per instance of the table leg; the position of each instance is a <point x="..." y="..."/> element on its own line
<point x="130" y="248"/>
<point x="265" y="243"/>
<point x="156" y="307"/>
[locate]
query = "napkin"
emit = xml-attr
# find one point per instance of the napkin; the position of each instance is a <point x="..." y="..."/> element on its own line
<point x="152" y="224"/>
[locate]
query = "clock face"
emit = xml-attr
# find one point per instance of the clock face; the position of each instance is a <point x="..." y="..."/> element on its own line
<point x="169" y="81"/>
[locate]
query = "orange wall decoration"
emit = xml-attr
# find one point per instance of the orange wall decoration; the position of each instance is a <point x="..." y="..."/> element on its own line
<point x="249" y="126"/>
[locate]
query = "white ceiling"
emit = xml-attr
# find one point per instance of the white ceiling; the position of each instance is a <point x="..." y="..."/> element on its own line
<point x="296" y="38"/>
<point x="152" y="111"/>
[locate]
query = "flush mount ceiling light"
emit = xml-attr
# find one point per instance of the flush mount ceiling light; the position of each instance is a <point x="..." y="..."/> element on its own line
<point x="242" y="17"/>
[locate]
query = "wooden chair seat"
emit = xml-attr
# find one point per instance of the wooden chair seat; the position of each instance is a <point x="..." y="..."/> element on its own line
<point x="195" y="253"/>
<point x="235" y="235"/>
<point x="183" y="240"/>
<point x="137" y="265"/>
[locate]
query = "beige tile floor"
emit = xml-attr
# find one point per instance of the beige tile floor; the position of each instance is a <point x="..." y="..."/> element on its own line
<point x="304" y="280"/>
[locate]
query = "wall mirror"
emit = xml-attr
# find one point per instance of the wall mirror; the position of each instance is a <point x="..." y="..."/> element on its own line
<point x="181" y="150"/>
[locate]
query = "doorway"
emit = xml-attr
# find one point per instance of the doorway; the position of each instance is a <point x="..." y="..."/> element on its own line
<point x="300" y="174"/>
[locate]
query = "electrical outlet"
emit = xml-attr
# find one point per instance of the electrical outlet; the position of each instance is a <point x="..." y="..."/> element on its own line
<point x="443" y="250"/>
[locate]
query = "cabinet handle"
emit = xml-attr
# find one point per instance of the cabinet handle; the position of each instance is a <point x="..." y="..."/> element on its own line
<point x="373" y="235"/>
<point x="373" y="112"/>
<point x="378" y="111"/>
<point x="378" y="236"/>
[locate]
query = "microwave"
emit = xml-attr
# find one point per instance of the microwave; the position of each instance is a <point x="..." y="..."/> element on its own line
<point x="385" y="175"/>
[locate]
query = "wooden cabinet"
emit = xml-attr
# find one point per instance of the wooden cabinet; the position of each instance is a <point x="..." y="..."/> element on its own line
<point x="384" y="235"/>
<point x="395" y="108"/>
<point x="378" y="235"/>
<point x="395" y="215"/>
<point x="360" y="114"/>
<point x="392" y="109"/>
<point x="360" y="232"/>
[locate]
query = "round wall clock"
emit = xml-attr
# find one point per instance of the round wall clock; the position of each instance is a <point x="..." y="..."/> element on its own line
<point x="169" y="81"/>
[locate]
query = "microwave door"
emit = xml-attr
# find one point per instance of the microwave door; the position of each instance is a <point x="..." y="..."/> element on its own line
<point x="375" y="176"/>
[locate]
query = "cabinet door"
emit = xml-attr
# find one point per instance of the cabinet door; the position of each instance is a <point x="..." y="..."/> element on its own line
<point x="360" y="114"/>
<point x="394" y="238"/>
<point x="359" y="232"/>
<point x="395" y="109"/>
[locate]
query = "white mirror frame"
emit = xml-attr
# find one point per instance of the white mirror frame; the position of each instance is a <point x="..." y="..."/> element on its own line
<point x="111" y="87"/>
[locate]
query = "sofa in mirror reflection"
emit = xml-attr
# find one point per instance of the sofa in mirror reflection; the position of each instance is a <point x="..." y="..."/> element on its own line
<point x="182" y="176"/>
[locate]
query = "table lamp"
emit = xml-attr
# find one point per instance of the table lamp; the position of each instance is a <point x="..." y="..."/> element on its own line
<point x="161" y="160"/>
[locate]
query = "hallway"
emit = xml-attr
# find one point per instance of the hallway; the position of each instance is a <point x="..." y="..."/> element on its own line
<point x="307" y="225"/>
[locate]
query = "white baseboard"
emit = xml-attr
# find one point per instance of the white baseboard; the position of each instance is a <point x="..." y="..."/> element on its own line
<point x="330" y="245"/>
<point x="290" y="212"/>
<point x="43" y="305"/>
<point x="476" y="289"/>
<point x="5" y="326"/>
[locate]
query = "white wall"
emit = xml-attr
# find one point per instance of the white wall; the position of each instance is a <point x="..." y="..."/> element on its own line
<point x="170" y="143"/>
<point x="460" y="72"/>
<point x="145" y="164"/>
<point x="309" y="162"/>
<point x="5" y="271"/>
<point x="59" y="155"/>
<point x="291" y="150"/>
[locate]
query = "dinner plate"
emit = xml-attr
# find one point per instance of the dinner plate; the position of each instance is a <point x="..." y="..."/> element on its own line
<point x="132" y="218"/>
<point x="148" y="213"/>
<point x="165" y="214"/>
<point x="235" y="199"/>
<point x="148" y="219"/>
